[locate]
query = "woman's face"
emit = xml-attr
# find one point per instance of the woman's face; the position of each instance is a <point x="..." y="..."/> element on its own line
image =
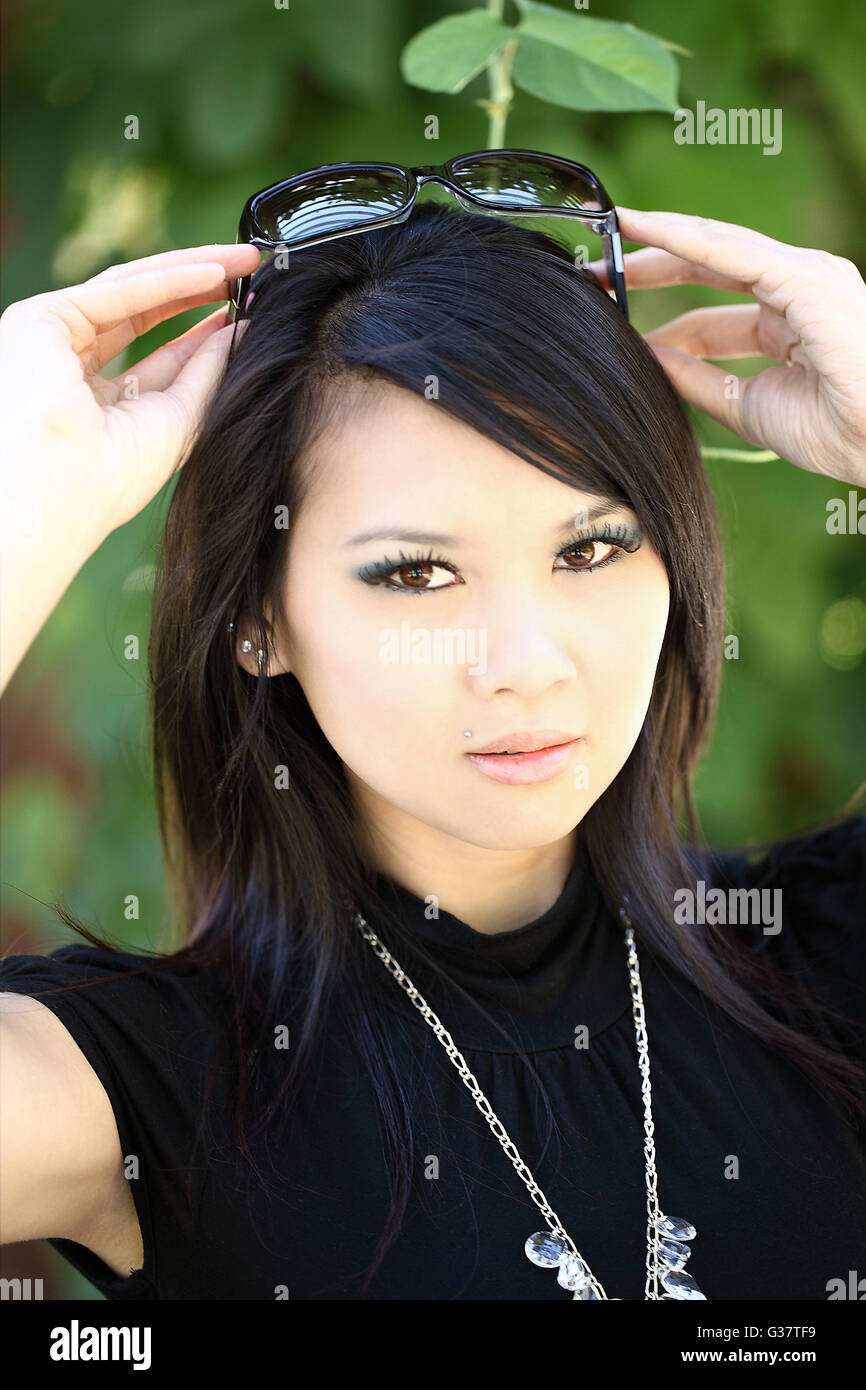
<point x="498" y="632"/>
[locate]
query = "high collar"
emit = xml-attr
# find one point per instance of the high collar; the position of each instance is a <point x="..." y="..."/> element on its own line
<point x="542" y="980"/>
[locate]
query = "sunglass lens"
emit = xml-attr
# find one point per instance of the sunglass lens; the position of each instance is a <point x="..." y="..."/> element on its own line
<point x="330" y="202"/>
<point x="527" y="183"/>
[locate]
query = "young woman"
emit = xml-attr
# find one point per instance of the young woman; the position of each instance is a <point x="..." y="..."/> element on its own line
<point x="448" y="1023"/>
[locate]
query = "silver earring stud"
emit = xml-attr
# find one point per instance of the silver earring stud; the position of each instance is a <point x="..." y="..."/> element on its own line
<point x="230" y="627"/>
<point x="467" y="733"/>
<point x="247" y="646"/>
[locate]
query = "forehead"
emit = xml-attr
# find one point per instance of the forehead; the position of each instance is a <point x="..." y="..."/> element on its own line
<point x="387" y="454"/>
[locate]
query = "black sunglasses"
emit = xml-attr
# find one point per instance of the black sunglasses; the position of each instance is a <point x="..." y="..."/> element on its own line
<point x="344" y="199"/>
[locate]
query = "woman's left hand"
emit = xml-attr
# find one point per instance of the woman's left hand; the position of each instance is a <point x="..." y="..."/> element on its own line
<point x="810" y="314"/>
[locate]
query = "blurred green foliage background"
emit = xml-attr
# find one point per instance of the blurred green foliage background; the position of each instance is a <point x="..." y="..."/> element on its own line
<point x="232" y="96"/>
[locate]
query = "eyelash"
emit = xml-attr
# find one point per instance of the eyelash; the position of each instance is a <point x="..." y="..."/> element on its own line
<point x="378" y="574"/>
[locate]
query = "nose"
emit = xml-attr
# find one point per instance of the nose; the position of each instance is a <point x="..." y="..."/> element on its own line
<point x="522" y="654"/>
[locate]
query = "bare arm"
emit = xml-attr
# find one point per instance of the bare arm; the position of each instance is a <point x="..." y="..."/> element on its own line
<point x="61" y="1167"/>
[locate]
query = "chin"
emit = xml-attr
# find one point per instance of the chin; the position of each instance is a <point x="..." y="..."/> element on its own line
<point x="512" y="832"/>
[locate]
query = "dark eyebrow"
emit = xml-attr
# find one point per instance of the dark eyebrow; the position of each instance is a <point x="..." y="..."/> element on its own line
<point x="395" y="533"/>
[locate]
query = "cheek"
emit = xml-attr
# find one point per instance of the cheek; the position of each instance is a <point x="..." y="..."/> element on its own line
<point x="354" y="671"/>
<point x="628" y="633"/>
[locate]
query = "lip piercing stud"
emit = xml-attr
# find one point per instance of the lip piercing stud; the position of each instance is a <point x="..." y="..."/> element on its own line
<point x="467" y="733"/>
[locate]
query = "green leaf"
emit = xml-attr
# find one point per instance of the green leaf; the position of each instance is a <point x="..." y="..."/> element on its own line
<point x="592" y="64"/>
<point x="665" y="43"/>
<point x="448" y="54"/>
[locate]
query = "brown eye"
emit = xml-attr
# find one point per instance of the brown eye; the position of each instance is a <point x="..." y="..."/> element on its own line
<point x="417" y="574"/>
<point x="586" y="555"/>
<point x="412" y="575"/>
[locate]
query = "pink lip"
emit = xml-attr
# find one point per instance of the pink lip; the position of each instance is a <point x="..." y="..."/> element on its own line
<point x="518" y="769"/>
<point x="527" y="741"/>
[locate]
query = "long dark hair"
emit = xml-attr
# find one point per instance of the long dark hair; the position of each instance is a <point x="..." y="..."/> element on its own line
<point x="529" y="350"/>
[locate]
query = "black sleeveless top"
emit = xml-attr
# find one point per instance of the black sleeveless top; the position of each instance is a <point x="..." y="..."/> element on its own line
<point x="760" y="1159"/>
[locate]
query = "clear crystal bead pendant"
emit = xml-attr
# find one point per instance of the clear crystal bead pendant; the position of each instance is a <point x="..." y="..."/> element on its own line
<point x="673" y="1253"/>
<point x="681" y="1285"/>
<point x="551" y="1252"/>
<point x="676" y="1228"/>
<point x="585" y="1291"/>
<point x="545" y="1249"/>
<point x="572" y="1274"/>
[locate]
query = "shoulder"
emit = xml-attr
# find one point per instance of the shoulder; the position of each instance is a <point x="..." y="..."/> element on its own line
<point x="820" y="874"/>
<point x="801" y="905"/>
<point x="78" y="965"/>
<point x="117" y="1004"/>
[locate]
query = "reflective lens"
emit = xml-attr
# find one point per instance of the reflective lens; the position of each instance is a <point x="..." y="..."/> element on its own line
<point x="527" y="183"/>
<point x="330" y="202"/>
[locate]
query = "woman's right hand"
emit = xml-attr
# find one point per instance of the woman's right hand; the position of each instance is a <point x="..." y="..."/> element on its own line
<point x="83" y="453"/>
<point x="102" y="447"/>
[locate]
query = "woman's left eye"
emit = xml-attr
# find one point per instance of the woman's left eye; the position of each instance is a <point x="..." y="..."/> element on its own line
<point x="588" y="551"/>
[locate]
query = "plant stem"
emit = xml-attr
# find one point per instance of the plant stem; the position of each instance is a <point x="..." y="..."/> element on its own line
<point x="741" y="455"/>
<point x="501" y="90"/>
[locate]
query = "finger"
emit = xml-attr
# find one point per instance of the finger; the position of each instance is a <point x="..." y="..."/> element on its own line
<point x="199" y="375"/>
<point x="173" y="416"/>
<point x="239" y="260"/>
<point x="728" y="330"/>
<point x="113" y="341"/>
<point x="76" y="314"/>
<point x="721" y="247"/>
<point x="652" y="268"/>
<point x="160" y="368"/>
<point x="705" y="387"/>
<point x="235" y="259"/>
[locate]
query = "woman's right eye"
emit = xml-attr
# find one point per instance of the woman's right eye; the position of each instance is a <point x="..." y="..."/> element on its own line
<point x="416" y="574"/>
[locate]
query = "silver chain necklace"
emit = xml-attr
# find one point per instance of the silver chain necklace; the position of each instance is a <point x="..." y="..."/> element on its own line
<point x="553" y="1248"/>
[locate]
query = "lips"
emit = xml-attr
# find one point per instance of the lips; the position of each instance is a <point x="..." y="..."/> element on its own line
<point x="520" y="769"/>
<point x="527" y="741"/>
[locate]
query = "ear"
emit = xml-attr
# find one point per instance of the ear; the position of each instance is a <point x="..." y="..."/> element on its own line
<point x="273" y="663"/>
